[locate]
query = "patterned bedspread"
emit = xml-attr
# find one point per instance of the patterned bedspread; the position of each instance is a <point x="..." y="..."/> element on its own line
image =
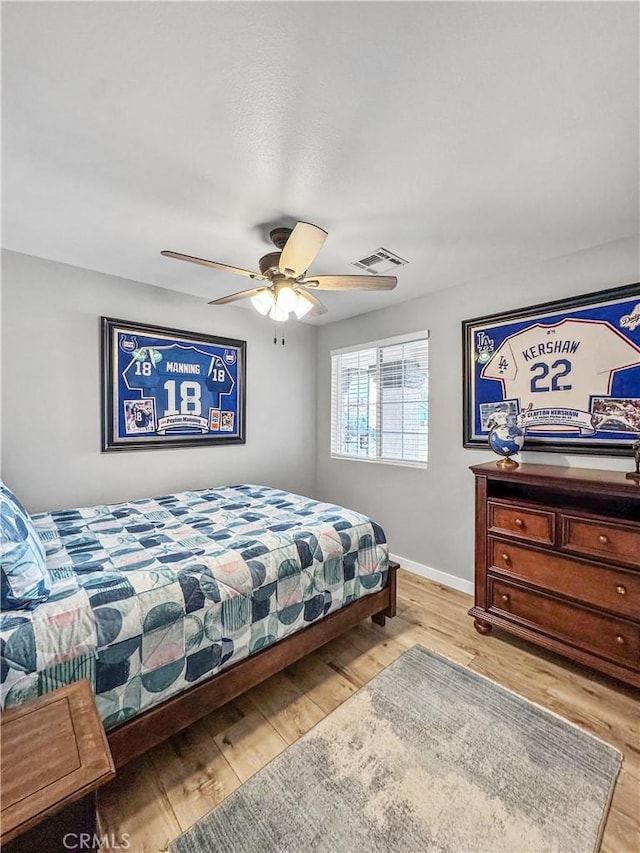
<point x="152" y="596"/>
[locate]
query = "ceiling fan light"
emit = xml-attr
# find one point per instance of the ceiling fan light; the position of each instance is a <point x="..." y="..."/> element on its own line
<point x="278" y="314"/>
<point x="303" y="306"/>
<point x="263" y="301"/>
<point x="287" y="298"/>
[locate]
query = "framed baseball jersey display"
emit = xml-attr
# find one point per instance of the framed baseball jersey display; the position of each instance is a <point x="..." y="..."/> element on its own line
<point x="567" y="372"/>
<point x="169" y="388"/>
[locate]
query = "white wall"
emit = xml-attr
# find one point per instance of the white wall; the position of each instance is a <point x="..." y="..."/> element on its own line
<point x="51" y="430"/>
<point x="428" y="515"/>
<point x="51" y="392"/>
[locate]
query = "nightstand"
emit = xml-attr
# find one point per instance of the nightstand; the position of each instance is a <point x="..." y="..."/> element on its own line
<point x="54" y="757"/>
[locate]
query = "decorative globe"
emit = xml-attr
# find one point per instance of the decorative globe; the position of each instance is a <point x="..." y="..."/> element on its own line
<point x="506" y="440"/>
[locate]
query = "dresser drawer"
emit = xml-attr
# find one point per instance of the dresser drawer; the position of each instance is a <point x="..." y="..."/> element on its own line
<point x="530" y="524"/>
<point x="613" y="589"/>
<point x="612" y="638"/>
<point x="600" y="539"/>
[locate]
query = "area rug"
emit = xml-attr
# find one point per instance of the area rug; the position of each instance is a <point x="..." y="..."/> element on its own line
<point x="429" y="756"/>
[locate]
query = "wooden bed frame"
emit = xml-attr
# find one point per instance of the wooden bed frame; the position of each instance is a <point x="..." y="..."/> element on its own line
<point x="144" y="731"/>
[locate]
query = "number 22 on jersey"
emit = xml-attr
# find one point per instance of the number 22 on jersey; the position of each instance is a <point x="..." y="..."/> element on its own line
<point x="541" y="369"/>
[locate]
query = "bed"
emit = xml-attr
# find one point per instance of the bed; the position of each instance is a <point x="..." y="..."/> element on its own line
<point x="171" y="606"/>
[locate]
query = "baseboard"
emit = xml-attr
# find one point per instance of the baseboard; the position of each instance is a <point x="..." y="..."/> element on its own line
<point x="434" y="574"/>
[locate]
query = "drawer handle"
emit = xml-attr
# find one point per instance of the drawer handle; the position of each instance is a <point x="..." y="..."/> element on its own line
<point x="505" y="597"/>
<point x="506" y="558"/>
<point x="518" y="522"/>
<point x="603" y="540"/>
<point x="620" y="640"/>
<point x="621" y="590"/>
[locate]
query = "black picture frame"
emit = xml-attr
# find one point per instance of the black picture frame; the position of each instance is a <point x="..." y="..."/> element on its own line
<point x="164" y="387"/>
<point x="577" y="346"/>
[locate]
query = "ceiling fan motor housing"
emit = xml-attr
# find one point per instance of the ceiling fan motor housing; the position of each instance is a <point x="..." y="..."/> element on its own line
<point x="269" y="264"/>
<point x="279" y="236"/>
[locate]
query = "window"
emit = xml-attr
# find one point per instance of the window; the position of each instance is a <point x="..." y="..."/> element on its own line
<point x="379" y="396"/>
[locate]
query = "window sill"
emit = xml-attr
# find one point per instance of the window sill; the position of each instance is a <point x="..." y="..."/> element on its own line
<point x="380" y="460"/>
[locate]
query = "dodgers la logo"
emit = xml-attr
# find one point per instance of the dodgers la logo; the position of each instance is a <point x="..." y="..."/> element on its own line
<point x="631" y="321"/>
<point x="484" y="347"/>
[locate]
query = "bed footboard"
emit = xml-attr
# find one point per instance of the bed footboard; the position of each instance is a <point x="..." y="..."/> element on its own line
<point x="144" y="731"/>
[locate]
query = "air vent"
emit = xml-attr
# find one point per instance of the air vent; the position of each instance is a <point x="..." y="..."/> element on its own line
<point x="380" y="261"/>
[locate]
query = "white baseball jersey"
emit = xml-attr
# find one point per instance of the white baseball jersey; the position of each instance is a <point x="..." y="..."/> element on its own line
<point x="562" y="365"/>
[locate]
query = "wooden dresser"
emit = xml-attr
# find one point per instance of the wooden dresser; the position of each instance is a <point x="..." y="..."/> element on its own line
<point x="557" y="562"/>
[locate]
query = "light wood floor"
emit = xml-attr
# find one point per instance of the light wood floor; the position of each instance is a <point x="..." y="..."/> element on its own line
<point x="158" y="796"/>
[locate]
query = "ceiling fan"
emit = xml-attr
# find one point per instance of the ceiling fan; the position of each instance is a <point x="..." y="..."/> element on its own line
<point x="288" y="288"/>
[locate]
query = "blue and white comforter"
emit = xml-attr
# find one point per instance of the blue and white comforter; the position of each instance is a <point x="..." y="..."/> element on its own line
<point x="152" y="596"/>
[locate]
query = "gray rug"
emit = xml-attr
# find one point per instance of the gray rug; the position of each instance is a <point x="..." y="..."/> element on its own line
<point x="429" y="756"/>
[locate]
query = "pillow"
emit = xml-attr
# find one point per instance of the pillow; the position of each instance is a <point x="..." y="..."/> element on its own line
<point x="24" y="579"/>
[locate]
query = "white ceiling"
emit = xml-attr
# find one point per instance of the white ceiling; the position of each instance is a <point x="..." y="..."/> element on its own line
<point x="469" y="138"/>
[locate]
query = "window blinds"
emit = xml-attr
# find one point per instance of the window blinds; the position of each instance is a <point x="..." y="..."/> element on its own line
<point x="379" y="400"/>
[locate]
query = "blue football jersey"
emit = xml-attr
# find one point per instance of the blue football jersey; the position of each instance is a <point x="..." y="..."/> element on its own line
<point x="183" y="380"/>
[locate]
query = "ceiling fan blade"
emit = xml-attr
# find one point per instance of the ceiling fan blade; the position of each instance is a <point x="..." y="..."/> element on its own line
<point x="236" y="297"/>
<point x="205" y="263"/>
<point x="318" y="307"/>
<point x="351" y="282"/>
<point x="300" y="250"/>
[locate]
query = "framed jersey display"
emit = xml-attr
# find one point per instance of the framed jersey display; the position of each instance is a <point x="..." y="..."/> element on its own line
<point x="168" y="388"/>
<point x="567" y="372"/>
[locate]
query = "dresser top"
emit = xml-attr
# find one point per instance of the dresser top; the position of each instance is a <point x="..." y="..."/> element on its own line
<point x="564" y="477"/>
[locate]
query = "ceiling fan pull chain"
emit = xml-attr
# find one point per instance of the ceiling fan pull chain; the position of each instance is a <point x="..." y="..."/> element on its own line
<point x="275" y="334"/>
